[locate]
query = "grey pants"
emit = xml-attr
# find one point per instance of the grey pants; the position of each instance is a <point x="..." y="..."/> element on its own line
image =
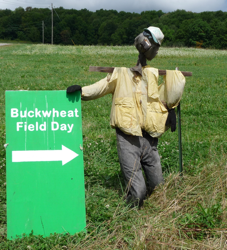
<point x="136" y="153"/>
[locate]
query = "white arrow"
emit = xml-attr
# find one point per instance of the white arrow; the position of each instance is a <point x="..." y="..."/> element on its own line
<point x="65" y="155"/>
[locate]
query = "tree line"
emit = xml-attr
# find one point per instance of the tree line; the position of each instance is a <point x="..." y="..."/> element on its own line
<point x="110" y="27"/>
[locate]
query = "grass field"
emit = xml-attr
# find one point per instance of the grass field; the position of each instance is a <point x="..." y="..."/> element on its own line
<point x="186" y="212"/>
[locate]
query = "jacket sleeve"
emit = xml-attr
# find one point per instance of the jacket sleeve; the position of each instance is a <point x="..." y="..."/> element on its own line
<point x="99" y="89"/>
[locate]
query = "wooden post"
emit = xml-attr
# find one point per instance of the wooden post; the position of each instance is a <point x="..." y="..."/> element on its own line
<point x="111" y="69"/>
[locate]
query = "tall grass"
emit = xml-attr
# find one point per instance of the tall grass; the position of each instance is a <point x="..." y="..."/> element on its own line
<point x="186" y="212"/>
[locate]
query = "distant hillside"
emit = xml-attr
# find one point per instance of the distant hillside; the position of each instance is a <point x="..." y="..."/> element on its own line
<point x="110" y="27"/>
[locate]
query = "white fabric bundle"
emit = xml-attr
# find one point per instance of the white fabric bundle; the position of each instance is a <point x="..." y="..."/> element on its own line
<point x="170" y="92"/>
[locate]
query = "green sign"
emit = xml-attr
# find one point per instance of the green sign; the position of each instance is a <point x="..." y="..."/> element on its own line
<point x="44" y="158"/>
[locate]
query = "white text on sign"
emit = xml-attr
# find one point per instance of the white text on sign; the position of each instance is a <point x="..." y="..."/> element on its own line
<point x="42" y="126"/>
<point x="43" y="113"/>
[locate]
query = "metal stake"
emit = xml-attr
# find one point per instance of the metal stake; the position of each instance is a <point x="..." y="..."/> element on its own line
<point x="179" y="139"/>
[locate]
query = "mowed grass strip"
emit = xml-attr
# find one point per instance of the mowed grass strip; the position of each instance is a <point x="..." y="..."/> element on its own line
<point x="188" y="212"/>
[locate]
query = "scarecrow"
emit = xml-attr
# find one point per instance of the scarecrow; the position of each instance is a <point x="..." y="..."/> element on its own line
<point x="141" y="112"/>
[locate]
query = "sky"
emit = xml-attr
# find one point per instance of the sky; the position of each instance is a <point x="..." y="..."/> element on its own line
<point x="121" y="5"/>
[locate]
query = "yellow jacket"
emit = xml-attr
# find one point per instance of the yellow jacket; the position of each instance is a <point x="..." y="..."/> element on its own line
<point x="137" y="104"/>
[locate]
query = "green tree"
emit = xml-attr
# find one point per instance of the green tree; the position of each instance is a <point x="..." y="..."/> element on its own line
<point x="196" y="31"/>
<point x="180" y="27"/>
<point x="106" y="30"/>
<point x="119" y="37"/>
<point x="33" y="34"/>
<point x="65" y="36"/>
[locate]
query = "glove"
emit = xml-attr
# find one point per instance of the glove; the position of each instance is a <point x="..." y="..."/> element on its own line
<point x="171" y="119"/>
<point x="74" y="88"/>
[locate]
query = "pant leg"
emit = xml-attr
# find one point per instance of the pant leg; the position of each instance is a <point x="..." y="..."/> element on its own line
<point x="129" y="153"/>
<point x="151" y="163"/>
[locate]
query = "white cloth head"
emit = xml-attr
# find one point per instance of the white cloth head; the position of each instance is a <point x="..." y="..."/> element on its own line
<point x="156" y="33"/>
